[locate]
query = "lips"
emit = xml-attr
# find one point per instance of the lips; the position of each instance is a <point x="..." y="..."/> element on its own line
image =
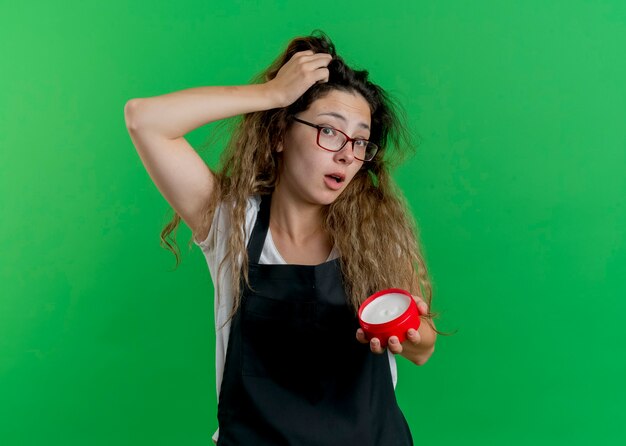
<point x="337" y="176"/>
<point x="334" y="181"/>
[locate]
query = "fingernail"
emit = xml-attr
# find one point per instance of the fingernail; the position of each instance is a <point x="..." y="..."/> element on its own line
<point x="393" y="341"/>
<point x="411" y="332"/>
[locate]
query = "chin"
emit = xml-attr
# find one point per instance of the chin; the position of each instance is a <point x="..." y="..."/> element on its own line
<point x="333" y="196"/>
<point x="323" y="199"/>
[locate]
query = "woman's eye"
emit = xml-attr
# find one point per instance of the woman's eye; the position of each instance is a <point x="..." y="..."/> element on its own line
<point x="328" y="131"/>
<point x="360" y="142"/>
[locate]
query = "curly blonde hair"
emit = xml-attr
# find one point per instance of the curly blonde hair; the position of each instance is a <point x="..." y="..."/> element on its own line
<point x="383" y="252"/>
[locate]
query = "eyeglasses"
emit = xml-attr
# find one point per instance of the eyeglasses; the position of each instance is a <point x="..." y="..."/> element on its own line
<point x="333" y="140"/>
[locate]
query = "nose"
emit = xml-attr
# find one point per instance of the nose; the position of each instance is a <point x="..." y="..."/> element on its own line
<point x="346" y="154"/>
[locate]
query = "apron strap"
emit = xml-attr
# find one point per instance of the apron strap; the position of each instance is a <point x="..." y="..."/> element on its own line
<point x="259" y="233"/>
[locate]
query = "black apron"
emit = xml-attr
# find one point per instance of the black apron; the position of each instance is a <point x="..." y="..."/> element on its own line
<point x="294" y="372"/>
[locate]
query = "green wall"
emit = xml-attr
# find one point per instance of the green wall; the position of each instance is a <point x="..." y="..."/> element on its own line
<point x="518" y="188"/>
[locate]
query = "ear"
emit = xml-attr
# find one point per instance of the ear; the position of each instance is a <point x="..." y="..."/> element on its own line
<point x="279" y="148"/>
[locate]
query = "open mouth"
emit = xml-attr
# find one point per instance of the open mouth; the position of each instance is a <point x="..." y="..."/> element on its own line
<point x="337" y="178"/>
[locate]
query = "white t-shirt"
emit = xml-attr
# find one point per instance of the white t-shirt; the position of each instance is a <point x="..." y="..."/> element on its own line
<point x="214" y="249"/>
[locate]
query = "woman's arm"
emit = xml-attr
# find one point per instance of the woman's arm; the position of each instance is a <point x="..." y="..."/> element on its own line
<point x="157" y="126"/>
<point x="419" y="346"/>
<point x="175" y="114"/>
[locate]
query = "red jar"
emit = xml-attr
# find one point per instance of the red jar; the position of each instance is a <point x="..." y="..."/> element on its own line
<point x="390" y="312"/>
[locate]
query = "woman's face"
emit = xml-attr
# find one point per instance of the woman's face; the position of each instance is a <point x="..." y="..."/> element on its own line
<point x="306" y="168"/>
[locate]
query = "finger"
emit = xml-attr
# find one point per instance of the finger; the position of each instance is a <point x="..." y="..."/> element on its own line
<point x="315" y="65"/>
<point x="394" y="345"/>
<point x="317" y="60"/>
<point x="316" y="71"/>
<point x="422" y="306"/>
<point x="323" y="74"/>
<point x="360" y="336"/>
<point x="375" y="346"/>
<point x="310" y="55"/>
<point x="304" y="53"/>
<point x="413" y="336"/>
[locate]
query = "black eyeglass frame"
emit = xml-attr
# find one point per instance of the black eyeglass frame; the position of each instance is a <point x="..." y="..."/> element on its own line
<point x="348" y="139"/>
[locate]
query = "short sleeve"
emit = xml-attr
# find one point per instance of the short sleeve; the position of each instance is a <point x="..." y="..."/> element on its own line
<point x="215" y="241"/>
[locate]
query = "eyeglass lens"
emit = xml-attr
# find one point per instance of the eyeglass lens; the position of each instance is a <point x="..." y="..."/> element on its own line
<point x="333" y="140"/>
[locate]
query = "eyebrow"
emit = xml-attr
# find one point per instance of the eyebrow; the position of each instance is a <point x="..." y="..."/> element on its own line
<point x="338" y="116"/>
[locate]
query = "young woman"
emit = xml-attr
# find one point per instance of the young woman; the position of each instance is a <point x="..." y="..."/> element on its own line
<point x="299" y="226"/>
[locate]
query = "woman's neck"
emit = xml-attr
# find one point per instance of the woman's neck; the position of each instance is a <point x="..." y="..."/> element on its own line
<point x="295" y="219"/>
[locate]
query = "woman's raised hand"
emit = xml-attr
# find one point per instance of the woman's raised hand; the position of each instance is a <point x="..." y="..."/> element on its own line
<point x="304" y="69"/>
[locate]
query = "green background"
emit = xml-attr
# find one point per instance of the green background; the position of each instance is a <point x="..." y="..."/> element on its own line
<point x="518" y="188"/>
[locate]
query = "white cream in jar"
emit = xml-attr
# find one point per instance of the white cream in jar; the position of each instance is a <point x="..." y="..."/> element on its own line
<point x="385" y="308"/>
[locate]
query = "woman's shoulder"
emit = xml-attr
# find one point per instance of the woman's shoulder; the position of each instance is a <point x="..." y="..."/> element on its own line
<point x="253" y="201"/>
<point x="221" y="223"/>
<point x="252" y="204"/>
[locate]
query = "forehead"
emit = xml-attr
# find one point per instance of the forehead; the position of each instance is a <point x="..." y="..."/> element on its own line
<point x="351" y="106"/>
